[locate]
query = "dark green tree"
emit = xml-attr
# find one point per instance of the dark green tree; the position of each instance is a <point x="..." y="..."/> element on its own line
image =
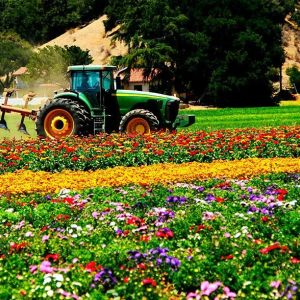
<point x="222" y="51"/>
<point x="14" y="53"/>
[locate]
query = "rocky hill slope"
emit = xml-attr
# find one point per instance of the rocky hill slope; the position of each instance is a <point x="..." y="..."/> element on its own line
<point x="291" y="43"/>
<point x="91" y="37"/>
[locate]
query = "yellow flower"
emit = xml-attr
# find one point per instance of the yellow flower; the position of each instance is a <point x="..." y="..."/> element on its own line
<point x="25" y="181"/>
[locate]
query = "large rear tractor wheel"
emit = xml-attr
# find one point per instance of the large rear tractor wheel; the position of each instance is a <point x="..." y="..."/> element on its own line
<point x="62" y="118"/>
<point x="139" y="121"/>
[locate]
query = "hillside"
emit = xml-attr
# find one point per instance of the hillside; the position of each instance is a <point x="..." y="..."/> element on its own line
<point x="291" y="39"/>
<point x="91" y="37"/>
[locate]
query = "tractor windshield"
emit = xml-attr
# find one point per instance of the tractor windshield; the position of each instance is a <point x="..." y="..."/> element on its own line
<point x="85" y="80"/>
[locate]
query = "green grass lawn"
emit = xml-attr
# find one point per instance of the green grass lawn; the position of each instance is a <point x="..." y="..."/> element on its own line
<point x="215" y="119"/>
<point x="207" y="119"/>
<point x="13" y="121"/>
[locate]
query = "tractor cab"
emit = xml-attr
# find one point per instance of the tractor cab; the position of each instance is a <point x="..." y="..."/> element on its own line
<point x="92" y="81"/>
<point x="91" y="77"/>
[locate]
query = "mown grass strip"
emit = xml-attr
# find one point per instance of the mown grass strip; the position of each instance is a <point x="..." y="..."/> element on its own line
<point x="215" y="119"/>
<point x="24" y="181"/>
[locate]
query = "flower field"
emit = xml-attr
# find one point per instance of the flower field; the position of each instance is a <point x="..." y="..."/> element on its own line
<point x="105" y="151"/>
<point x="198" y="215"/>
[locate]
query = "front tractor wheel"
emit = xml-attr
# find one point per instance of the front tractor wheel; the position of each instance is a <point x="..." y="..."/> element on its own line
<point x="62" y="118"/>
<point x="139" y="121"/>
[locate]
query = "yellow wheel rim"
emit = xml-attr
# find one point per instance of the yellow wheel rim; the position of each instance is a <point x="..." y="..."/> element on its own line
<point x="138" y="126"/>
<point x="59" y="123"/>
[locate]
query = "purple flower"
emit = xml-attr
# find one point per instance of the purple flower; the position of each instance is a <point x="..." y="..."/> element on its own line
<point x="105" y="277"/>
<point x="136" y="255"/>
<point x="210" y="197"/>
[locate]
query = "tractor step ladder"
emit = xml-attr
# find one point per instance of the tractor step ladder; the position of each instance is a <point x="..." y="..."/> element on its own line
<point x="99" y="124"/>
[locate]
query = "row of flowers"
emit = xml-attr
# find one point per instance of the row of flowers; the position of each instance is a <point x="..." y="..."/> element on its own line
<point x="214" y="239"/>
<point x="25" y="182"/>
<point x="103" y="151"/>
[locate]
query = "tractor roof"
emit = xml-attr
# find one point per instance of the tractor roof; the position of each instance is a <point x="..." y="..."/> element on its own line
<point x="91" y="68"/>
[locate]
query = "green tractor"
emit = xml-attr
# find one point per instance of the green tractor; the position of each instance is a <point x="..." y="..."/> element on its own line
<point x="94" y="104"/>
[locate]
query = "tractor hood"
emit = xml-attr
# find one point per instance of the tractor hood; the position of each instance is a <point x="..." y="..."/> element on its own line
<point x="144" y="95"/>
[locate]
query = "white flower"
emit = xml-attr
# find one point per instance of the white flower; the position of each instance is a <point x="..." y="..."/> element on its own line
<point x="58" y="277"/>
<point x="47" y="279"/>
<point x="50" y="293"/>
<point x="64" y="193"/>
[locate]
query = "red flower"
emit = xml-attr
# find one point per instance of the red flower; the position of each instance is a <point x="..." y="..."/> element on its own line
<point x="62" y="217"/>
<point x="92" y="267"/>
<point x="265" y="218"/>
<point x="220" y="200"/>
<point x="74" y="158"/>
<point x="142" y="266"/>
<point x="54" y="257"/>
<point x="281" y="194"/>
<point x="165" y="233"/>
<point x="194" y="152"/>
<point x="270" y="248"/>
<point x="200" y="227"/>
<point x="126" y="279"/>
<point x="149" y="281"/>
<point x="15" y="247"/>
<point x="144" y="238"/>
<point x="69" y="200"/>
<point x="227" y="257"/>
<point x="135" y="221"/>
<point x="295" y="260"/>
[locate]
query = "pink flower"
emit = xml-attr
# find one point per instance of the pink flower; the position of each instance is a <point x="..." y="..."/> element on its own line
<point x="45" y="238"/>
<point x="33" y="269"/>
<point x="228" y="293"/>
<point x="275" y="284"/>
<point x="28" y="234"/>
<point x="95" y="215"/>
<point x="45" y="267"/>
<point x="208" y="288"/>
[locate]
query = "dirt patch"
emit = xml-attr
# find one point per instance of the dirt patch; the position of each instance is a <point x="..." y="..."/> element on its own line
<point x="91" y="37"/>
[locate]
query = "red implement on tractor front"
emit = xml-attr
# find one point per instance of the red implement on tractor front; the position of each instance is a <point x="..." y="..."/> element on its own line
<point x="24" y="111"/>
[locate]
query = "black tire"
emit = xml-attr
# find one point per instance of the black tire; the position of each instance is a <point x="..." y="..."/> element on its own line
<point x="144" y="114"/>
<point x="81" y="119"/>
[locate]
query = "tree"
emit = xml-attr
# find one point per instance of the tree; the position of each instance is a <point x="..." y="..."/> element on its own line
<point x="49" y="64"/>
<point x="223" y="51"/>
<point x="14" y="53"/>
<point x="294" y="78"/>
